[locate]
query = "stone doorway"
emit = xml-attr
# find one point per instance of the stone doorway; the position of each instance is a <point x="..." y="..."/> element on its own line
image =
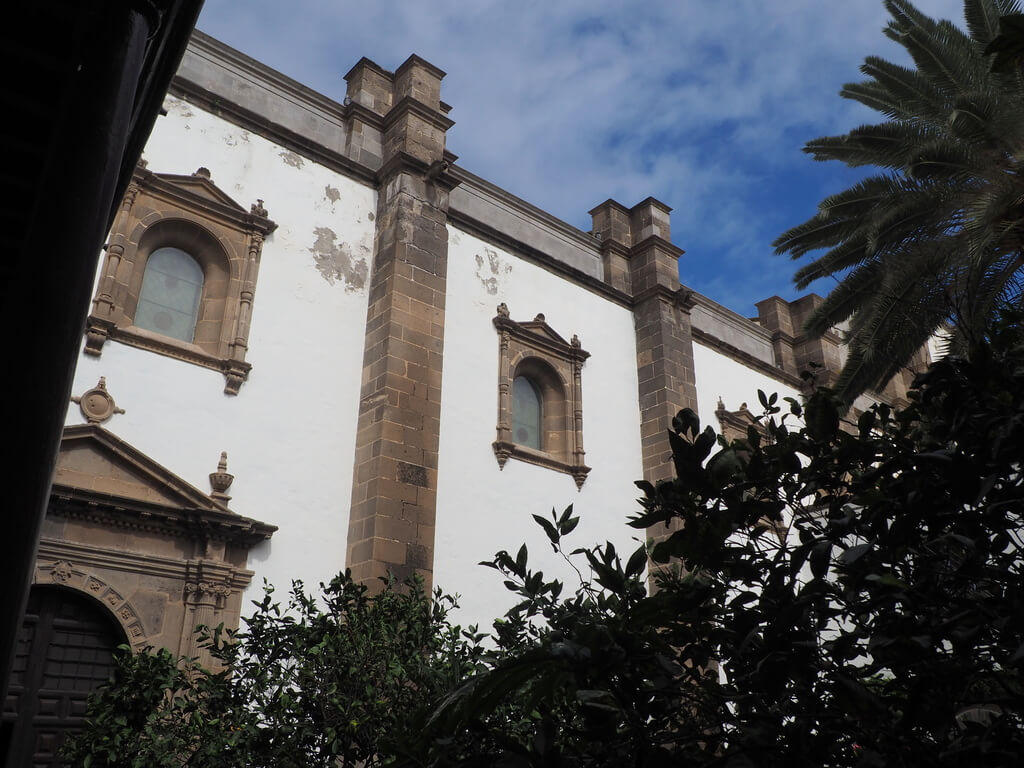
<point x="64" y="652"/>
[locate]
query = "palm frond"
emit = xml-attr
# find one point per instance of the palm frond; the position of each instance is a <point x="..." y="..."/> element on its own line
<point x="887" y="145"/>
<point x="939" y="237"/>
<point x="918" y="96"/>
<point x="845" y="299"/>
<point x="982" y="17"/>
<point x="816" y="232"/>
<point x="877" y="97"/>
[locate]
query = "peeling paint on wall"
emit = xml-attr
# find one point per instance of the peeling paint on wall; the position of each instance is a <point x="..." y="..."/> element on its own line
<point x="334" y="261"/>
<point x="332" y="193"/>
<point x="178" y="107"/>
<point x="496" y="269"/>
<point x="292" y="159"/>
<point x="233" y="141"/>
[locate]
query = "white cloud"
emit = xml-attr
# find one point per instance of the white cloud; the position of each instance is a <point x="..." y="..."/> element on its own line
<point x="699" y="103"/>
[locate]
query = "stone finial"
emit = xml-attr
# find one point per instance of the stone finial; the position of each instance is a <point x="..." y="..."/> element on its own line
<point x="721" y="405"/>
<point x="539" y="318"/>
<point x="257" y="209"/>
<point x="202" y="173"/>
<point x="96" y="404"/>
<point x="503" y="310"/>
<point x="575" y="341"/>
<point x="220" y="480"/>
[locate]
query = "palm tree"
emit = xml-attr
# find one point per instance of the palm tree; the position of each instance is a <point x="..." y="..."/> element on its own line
<point x="937" y="238"/>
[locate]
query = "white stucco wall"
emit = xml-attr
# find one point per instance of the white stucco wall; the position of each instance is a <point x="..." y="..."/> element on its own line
<point x="289" y="433"/>
<point x="719" y="376"/>
<point x="480" y="509"/>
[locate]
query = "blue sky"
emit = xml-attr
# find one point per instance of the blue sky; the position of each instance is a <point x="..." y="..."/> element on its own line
<point x="703" y="104"/>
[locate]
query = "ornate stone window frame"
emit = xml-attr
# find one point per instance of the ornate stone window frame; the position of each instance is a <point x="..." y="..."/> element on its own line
<point x="734" y="426"/>
<point x="554" y="365"/>
<point x="193" y="214"/>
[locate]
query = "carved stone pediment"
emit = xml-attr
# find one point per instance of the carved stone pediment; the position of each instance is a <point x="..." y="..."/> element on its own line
<point x="734" y="424"/>
<point x="100" y="475"/>
<point x="201" y="186"/>
<point x="160" y="554"/>
<point x="94" y="460"/>
<point x="199" y="190"/>
<point x="540" y="335"/>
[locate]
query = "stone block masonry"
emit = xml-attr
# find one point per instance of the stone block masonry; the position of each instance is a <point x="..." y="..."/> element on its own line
<point x="394" y="493"/>
<point x="639" y="255"/>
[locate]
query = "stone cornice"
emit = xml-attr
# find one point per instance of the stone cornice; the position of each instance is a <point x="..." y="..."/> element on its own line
<point x="360" y="111"/>
<point x="120" y="560"/>
<point x="416" y="59"/>
<point x="408" y="105"/>
<point x="180" y="350"/>
<point x="652" y="201"/>
<point x="260" y="74"/>
<point x="275" y="132"/>
<point x="401" y="162"/>
<point x="365" y="63"/>
<point x="682" y="297"/>
<point x="784" y="337"/>
<point x="614" y="245"/>
<point x="656" y="241"/>
<point x="118" y="512"/>
<point x="610" y="203"/>
<point x="735" y="319"/>
<point x="528" y="210"/>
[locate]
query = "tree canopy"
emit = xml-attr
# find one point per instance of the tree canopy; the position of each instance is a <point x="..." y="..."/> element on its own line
<point x="853" y="596"/>
<point x="934" y="240"/>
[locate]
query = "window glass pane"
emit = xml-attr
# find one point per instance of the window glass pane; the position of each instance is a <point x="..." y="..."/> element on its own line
<point x="525" y="413"/>
<point x="171" y="289"/>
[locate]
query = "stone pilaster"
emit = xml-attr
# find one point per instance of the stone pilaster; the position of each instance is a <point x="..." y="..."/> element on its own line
<point x="795" y="351"/>
<point x="661" y="306"/>
<point x="394" y="491"/>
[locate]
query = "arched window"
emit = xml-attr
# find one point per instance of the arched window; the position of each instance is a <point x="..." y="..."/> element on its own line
<point x="526" y="413"/>
<point x="540" y="397"/>
<point x="171" y="289"/>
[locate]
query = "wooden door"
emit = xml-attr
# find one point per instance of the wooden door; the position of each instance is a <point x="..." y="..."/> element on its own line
<point x="65" y="651"/>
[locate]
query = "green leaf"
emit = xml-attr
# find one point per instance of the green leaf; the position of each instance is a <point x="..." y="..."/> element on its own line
<point x="549" y="529"/>
<point x="637" y="562"/>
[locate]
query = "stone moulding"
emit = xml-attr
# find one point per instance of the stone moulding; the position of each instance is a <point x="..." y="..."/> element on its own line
<point x="157" y="552"/>
<point x="193" y="214"/>
<point x="535" y="349"/>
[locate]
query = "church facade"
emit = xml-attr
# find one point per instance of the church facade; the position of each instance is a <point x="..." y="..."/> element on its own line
<point x="318" y="342"/>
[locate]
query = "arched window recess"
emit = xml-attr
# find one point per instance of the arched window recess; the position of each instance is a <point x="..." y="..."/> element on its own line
<point x="540" y="400"/>
<point x="179" y="274"/>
